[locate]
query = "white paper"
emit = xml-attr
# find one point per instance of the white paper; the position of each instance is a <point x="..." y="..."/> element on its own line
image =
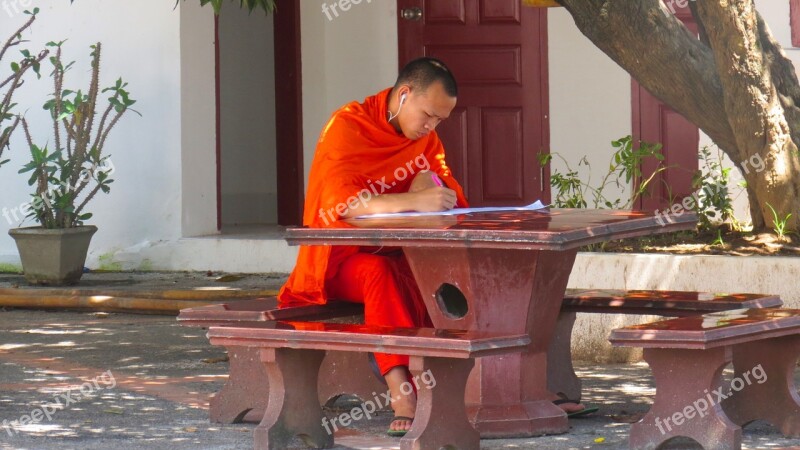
<point x="537" y="205"/>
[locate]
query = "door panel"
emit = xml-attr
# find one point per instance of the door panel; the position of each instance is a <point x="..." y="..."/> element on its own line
<point x="497" y="51"/>
<point x="502" y="127"/>
<point x="455" y="137"/>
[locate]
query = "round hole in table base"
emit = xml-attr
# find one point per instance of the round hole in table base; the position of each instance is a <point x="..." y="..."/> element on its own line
<point x="451" y="301"/>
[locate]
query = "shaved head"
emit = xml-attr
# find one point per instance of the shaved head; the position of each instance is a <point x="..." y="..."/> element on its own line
<point x="421" y="73"/>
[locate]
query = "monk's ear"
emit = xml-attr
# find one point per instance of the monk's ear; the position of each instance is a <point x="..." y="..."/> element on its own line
<point x="404" y="91"/>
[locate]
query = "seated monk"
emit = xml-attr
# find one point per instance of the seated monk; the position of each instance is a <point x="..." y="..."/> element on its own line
<point x="379" y="156"/>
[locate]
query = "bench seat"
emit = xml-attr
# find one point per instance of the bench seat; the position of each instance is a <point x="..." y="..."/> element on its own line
<point x="263" y="310"/>
<point x="661" y="303"/>
<point x="687" y="356"/>
<point x="292" y="353"/>
<point x="561" y="377"/>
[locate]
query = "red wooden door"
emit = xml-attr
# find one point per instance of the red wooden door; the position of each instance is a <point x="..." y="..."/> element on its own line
<point x="653" y="121"/>
<point x="497" y="51"/>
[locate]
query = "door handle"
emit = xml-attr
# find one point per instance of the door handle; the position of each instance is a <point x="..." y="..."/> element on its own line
<point x="411" y="13"/>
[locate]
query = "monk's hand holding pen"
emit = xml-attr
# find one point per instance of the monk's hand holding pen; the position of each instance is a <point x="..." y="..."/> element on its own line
<point x="430" y="194"/>
<point x="434" y="199"/>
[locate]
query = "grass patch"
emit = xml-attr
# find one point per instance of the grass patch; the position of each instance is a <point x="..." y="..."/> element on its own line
<point x="10" y="268"/>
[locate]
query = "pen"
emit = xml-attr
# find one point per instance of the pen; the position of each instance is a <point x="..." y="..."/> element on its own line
<point x="436" y="180"/>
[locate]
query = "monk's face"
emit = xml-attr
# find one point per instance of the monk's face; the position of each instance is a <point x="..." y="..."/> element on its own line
<point x="424" y="110"/>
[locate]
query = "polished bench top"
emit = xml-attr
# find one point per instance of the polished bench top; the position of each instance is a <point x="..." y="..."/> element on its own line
<point x="663" y="302"/>
<point x="356" y="337"/>
<point x="265" y="309"/>
<point x="710" y="330"/>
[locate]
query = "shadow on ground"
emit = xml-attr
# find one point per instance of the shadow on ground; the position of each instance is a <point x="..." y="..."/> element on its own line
<point x="124" y="381"/>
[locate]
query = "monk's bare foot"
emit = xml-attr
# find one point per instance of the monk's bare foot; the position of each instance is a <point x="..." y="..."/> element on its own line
<point x="400" y="423"/>
<point x="567" y="405"/>
<point x="571" y="407"/>
<point x="404" y="406"/>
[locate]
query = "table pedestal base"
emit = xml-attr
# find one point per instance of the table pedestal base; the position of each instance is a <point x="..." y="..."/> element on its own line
<point x="528" y="419"/>
<point x="502" y="291"/>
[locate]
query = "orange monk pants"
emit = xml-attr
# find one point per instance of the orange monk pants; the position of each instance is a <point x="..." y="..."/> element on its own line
<point x="386" y="287"/>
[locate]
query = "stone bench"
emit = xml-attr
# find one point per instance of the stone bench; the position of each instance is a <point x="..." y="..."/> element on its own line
<point x="561" y="376"/>
<point x="292" y="353"/>
<point x="244" y="396"/>
<point x="687" y="356"/>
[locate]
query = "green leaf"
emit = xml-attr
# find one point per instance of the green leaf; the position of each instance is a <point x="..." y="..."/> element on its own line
<point x="544" y="158"/>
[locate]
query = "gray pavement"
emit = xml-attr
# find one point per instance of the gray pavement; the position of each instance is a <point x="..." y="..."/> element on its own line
<point x="136" y="281"/>
<point x="126" y="381"/>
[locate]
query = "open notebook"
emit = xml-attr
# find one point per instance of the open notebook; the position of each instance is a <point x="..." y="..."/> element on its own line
<point x="537" y="205"/>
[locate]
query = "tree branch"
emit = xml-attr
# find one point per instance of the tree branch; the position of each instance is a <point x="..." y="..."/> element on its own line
<point x="10" y="43"/>
<point x="679" y="70"/>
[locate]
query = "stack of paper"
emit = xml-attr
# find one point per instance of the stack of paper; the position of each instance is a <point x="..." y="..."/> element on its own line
<point x="456" y="211"/>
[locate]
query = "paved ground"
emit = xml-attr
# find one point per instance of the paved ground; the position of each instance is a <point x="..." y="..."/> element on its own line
<point x="138" y="281"/>
<point x="126" y="381"/>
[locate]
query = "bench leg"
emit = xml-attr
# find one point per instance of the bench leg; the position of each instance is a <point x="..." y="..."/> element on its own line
<point x="347" y="373"/>
<point x="441" y="417"/>
<point x="293" y="409"/>
<point x="561" y="376"/>
<point x="685" y="380"/>
<point x="244" y="395"/>
<point x="766" y="389"/>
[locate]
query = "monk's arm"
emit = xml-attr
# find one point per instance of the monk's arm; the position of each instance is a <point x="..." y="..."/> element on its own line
<point x="425" y="180"/>
<point x="426" y="200"/>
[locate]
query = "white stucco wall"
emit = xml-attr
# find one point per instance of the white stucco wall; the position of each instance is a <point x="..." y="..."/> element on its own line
<point x="346" y="58"/>
<point x="590" y="102"/>
<point x="198" y="117"/>
<point x="145" y="200"/>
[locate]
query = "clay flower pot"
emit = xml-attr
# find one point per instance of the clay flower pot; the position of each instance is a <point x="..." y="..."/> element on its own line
<point x="53" y="256"/>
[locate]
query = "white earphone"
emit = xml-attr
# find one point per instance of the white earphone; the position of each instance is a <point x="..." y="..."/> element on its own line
<point x="402" y="100"/>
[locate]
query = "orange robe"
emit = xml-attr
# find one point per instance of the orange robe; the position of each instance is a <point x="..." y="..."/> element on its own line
<point x="360" y="152"/>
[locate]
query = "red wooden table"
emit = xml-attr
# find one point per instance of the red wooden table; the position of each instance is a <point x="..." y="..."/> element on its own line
<point x="501" y="272"/>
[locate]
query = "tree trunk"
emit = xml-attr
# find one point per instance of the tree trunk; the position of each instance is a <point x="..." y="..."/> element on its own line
<point x="734" y="83"/>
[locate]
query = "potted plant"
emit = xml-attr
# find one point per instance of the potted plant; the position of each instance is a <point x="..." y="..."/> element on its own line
<point x="69" y="175"/>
